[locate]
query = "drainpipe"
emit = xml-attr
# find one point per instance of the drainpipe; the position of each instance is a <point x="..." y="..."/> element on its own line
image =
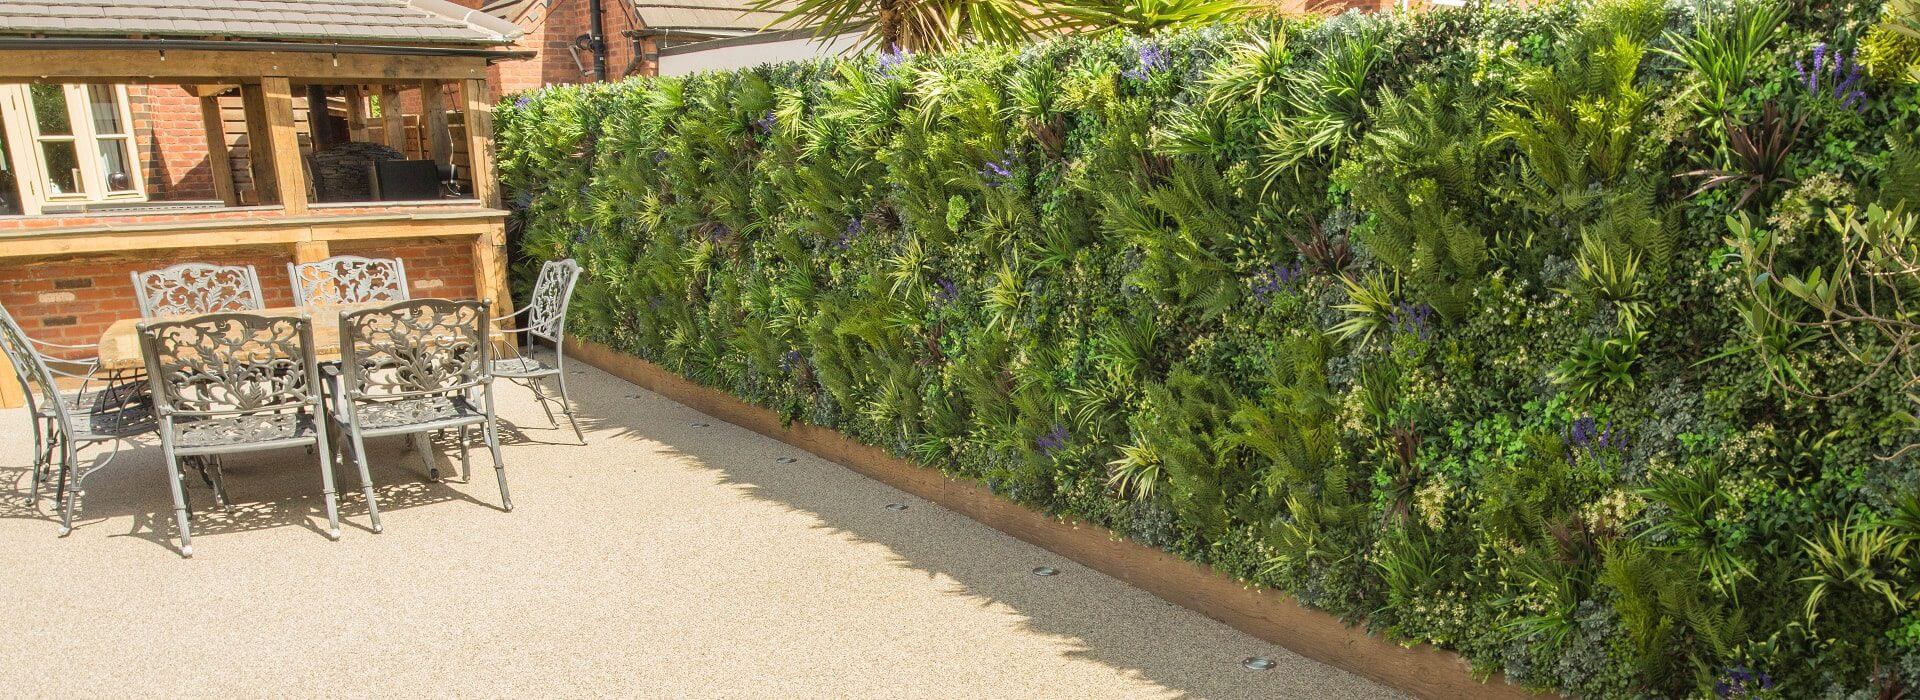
<point x="597" y="40"/>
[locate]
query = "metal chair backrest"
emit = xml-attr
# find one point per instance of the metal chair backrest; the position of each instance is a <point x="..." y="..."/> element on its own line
<point x="230" y="364"/>
<point x="422" y="347"/>
<point x="552" y="292"/>
<point x="348" y="279"/>
<point x="36" y="380"/>
<point x="189" y="289"/>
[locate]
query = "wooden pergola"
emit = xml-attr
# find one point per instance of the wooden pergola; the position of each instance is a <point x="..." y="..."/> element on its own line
<point x="267" y="75"/>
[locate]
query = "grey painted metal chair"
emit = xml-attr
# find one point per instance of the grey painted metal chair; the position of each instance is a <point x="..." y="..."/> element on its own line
<point x="65" y="422"/>
<point x="413" y="368"/>
<point x="230" y="383"/>
<point x="348" y="279"/>
<point x="189" y="289"/>
<point x="546" y="319"/>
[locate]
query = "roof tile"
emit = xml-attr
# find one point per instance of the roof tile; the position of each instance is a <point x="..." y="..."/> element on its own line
<point x="438" y="21"/>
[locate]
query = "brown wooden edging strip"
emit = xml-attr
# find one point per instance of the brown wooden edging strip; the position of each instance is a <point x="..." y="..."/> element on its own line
<point x="1265" y="613"/>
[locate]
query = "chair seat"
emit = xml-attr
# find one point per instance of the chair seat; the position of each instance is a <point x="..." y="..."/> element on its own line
<point x="522" y="368"/>
<point x="111" y="413"/>
<point x="236" y="431"/>
<point x="430" y="410"/>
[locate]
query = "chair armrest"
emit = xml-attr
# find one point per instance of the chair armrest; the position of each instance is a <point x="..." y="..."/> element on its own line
<point x="510" y="316"/>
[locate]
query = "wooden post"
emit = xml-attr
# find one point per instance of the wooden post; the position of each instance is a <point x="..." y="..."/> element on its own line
<point x="393" y="120"/>
<point x="434" y="137"/>
<point x="284" y="145"/>
<point x="319" y="118"/>
<point x="266" y="187"/>
<point x="311" y="251"/>
<point x="476" y="102"/>
<point x="356" y="113"/>
<point x="490" y="268"/>
<point x="10" y="394"/>
<point x="219" y="159"/>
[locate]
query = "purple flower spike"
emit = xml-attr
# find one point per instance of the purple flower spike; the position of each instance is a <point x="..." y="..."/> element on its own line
<point x="999" y="172"/>
<point x="946" y="292"/>
<point x="1054" y="441"/>
<point x="847" y="237"/>
<point x="1836" y="80"/>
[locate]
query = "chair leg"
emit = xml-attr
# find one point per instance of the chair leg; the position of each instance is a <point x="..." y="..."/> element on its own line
<point x="59" y="448"/>
<point x="327" y="487"/>
<point x="492" y="434"/>
<point x="566" y="406"/>
<point x="179" y="502"/>
<point x="69" y="462"/>
<point x="366" y="480"/>
<point x="217" y="468"/>
<point x="42" y="456"/>
<point x="466" y="464"/>
<point x="423" y="444"/>
<point x="541" y="398"/>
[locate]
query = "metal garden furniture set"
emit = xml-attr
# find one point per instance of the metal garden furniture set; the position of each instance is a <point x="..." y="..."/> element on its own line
<point x="224" y="374"/>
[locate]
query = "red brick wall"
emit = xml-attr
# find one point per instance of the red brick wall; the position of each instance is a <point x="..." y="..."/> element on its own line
<point x="550" y="27"/>
<point x="172" y="143"/>
<point x="72" y="300"/>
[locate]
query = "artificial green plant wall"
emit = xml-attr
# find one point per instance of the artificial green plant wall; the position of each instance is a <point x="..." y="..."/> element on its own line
<point x="1573" y="338"/>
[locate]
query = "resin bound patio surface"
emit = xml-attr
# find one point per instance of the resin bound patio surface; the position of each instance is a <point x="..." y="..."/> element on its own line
<point x="662" y="560"/>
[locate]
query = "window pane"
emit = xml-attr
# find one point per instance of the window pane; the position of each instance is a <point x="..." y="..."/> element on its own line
<point x="50" y="110"/>
<point x="9" y="182"/>
<point x="63" y="167"/>
<point x="113" y="165"/>
<point x="104" y="102"/>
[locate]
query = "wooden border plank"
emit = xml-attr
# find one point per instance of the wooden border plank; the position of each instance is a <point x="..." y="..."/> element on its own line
<point x="1422" y="670"/>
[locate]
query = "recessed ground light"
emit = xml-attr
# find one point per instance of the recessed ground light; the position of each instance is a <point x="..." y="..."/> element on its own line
<point x="697" y="424"/>
<point x="896" y="507"/>
<point x="1045" y="571"/>
<point x="786" y="460"/>
<point x="1258" y="663"/>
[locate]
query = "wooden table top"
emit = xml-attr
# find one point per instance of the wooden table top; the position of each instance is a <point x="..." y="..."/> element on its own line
<point x="120" y="343"/>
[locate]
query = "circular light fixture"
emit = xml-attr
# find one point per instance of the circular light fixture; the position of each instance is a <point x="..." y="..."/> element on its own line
<point x="1258" y="663"/>
<point x="1045" y="571"/>
<point x="896" y="507"/>
<point x="786" y="460"/>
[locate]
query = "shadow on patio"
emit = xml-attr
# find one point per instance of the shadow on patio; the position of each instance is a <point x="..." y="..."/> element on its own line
<point x="669" y="558"/>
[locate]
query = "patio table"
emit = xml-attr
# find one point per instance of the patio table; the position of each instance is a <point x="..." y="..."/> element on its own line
<point x="120" y="343"/>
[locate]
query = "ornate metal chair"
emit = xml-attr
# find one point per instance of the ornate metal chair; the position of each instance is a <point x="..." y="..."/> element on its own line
<point x="66" y="422"/>
<point x="189" y="289"/>
<point x="413" y="368"/>
<point x="228" y="383"/>
<point x="546" y="320"/>
<point x="348" y="279"/>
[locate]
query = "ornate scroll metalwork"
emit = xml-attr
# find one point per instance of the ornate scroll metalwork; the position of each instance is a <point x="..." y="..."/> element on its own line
<point x="197" y="288"/>
<point x="414" y="348"/>
<point x="348" y="279"/>
<point x="547" y="310"/>
<point x="227" y="364"/>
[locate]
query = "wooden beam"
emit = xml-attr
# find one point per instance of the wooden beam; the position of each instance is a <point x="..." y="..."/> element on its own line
<point x="438" y="141"/>
<point x="402" y="222"/>
<point x="283" y="146"/>
<point x="477" y="103"/>
<point x="210" y="89"/>
<point x="356" y="112"/>
<point x="490" y="268"/>
<point x="393" y="121"/>
<point x="177" y="66"/>
<point x="266" y="186"/>
<point x="219" y="159"/>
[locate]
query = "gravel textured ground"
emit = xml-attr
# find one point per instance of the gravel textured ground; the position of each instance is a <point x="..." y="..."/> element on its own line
<point x="663" y="560"/>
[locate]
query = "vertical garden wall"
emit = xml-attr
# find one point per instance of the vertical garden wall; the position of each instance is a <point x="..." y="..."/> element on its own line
<point x="1574" y="338"/>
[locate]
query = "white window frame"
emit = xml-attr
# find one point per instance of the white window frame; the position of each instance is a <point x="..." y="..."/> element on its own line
<point x="29" y="159"/>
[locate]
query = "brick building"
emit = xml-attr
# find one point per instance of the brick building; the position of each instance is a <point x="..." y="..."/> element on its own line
<point x="141" y="133"/>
